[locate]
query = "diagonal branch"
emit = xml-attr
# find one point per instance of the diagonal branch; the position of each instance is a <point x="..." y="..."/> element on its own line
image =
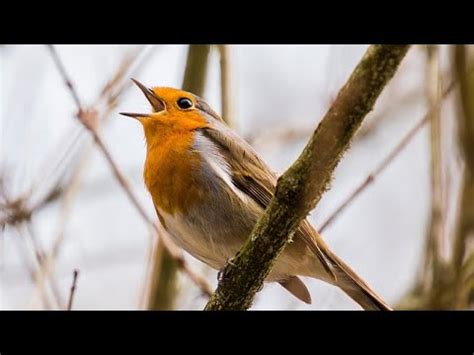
<point x="69" y="187"/>
<point x="25" y="206"/>
<point x="300" y="188"/>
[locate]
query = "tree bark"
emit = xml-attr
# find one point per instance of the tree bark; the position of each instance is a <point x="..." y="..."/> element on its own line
<point x="300" y="188"/>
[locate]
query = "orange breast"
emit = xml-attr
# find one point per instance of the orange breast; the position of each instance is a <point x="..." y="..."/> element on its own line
<point x="171" y="173"/>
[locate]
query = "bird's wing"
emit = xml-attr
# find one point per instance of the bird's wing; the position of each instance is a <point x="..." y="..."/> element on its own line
<point x="251" y="175"/>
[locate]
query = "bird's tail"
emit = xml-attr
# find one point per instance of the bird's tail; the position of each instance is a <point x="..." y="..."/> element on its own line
<point x="353" y="285"/>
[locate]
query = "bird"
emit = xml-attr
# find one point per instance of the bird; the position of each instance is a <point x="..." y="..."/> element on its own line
<point x="209" y="188"/>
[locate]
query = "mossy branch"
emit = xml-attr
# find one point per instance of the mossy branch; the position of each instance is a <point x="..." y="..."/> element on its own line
<point x="162" y="287"/>
<point x="300" y="188"/>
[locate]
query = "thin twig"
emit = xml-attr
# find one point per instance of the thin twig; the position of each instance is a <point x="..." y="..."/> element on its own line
<point x="443" y="282"/>
<point x="23" y="207"/>
<point x="384" y="163"/>
<point x="147" y="284"/>
<point x="73" y="289"/>
<point x="21" y="211"/>
<point x="108" y="97"/>
<point x="23" y="248"/>
<point x="88" y="117"/>
<point x="62" y="71"/>
<point x="17" y="212"/>
<point x="42" y="260"/>
<point x="226" y="84"/>
<point x="291" y="132"/>
<point x="104" y="103"/>
<point x="398" y="98"/>
<point x="434" y="237"/>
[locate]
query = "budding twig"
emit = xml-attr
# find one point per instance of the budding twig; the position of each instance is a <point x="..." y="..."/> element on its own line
<point x="73" y="289"/>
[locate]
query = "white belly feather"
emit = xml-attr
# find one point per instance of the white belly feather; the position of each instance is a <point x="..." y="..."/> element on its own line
<point x="214" y="231"/>
<point x="207" y="232"/>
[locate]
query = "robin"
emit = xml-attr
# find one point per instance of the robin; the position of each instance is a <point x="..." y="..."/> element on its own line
<point x="209" y="188"/>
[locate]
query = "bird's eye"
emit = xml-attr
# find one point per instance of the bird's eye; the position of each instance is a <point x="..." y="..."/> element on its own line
<point x="185" y="103"/>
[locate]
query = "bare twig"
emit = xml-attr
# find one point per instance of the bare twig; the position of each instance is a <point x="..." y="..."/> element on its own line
<point x="88" y="117"/>
<point x="22" y="209"/>
<point x="376" y="119"/>
<point x="292" y="132"/>
<point x="384" y="163"/>
<point x="73" y="289"/>
<point x="23" y="248"/>
<point x="42" y="260"/>
<point x="17" y="212"/>
<point x="106" y="100"/>
<point x="436" y="226"/>
<point x="464" y="70"/>
<point x="283" y="134"/>
<point x="301" y="187"/>
<point x="447" y="283"/>
<point x="226" y="84"/>
<point x="105" y="103"/>
<point x="67" y="80"/>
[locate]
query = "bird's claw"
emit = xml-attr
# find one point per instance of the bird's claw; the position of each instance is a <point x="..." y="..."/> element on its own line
<point x="221" y="272"/>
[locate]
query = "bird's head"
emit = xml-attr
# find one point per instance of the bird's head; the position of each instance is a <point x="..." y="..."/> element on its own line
<point x="173" y="111"/>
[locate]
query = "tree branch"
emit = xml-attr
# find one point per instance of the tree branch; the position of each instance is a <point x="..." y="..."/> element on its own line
<point x="300" y="188"/>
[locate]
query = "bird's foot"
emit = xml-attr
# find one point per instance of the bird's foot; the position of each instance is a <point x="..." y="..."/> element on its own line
<point x="221" y="273"/>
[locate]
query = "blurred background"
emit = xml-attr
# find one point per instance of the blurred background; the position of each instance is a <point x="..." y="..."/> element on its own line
<point x="409" y="233"/>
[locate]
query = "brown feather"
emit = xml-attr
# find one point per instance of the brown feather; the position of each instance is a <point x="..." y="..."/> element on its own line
<point x="252" y="176"/>
<point x="297" y="288"/>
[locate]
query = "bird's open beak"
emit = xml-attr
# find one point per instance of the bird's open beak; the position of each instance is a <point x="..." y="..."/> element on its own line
<point x="157" y="103"/>
<point x="137" y="116"/>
